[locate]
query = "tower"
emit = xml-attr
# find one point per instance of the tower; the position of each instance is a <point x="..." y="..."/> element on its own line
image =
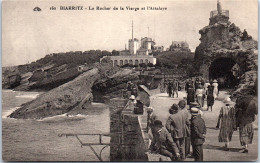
<point x="219" y="8"/>
<point x="219" y="15"/>
<point x="133" y="43"/>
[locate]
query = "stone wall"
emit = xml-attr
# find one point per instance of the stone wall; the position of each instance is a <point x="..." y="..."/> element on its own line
<point x="127" y="143"/>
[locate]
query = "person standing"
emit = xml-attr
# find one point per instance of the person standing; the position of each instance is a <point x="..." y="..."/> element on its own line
<point x="131" y="103"/>
<point x="190" y="94"/>
<point x="176" y="125"/>
<point x="210" y="96"/>
<point x="197" y="83"/>
<point x="215" y="91"/>
<point x="199" y="95"/>
<point x="163" y="142"/>
<point x="151" y="118"/>
<point x="227" y="122"/>
<point x="198" y="132"/>
<point x="174" y="88"/>
<point x="184" y="111"/>
<point x="245" y="121"/>
<point x="170" y="88"/>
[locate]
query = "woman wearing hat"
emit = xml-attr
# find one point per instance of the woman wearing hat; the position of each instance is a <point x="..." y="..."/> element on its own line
<point x="227" y="121"/>
<point x="215" y="92"/>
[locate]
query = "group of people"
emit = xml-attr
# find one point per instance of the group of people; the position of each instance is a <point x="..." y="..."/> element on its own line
<point x="182" y="129"/>
<point x="199" y="90"/>
<point x="236" y="116"/>
<point x="185" y="126"/>
<point x="172" y="86"/>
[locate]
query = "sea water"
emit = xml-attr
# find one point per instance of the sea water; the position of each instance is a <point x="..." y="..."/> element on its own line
<point x="38" y="140"/>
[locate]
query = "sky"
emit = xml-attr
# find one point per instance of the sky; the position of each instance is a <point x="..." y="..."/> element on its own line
<point x="28" y="35"/>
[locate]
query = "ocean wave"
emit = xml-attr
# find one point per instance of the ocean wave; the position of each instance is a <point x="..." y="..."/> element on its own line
<point x="63" y="117"/>
<point x="6" y="113"/>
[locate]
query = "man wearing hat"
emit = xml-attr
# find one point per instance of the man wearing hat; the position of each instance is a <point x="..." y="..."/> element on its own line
<point x="198" y="132"/>
<point x="176" y="125"/>
<point x="186" y="113"/>
<point x="163" y="142"/>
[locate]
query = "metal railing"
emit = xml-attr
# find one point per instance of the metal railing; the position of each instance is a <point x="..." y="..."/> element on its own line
<point x="215" y="13"/>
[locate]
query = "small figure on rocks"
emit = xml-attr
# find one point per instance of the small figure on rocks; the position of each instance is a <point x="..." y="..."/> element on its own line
<point x="198" y="132"/>
<point x="227" y="122"/>
<point x="163" y="142"/>
<point x="131" y="103"/>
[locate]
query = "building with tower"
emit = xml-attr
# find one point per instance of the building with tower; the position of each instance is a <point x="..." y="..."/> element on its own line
<point x="137" y="53"/>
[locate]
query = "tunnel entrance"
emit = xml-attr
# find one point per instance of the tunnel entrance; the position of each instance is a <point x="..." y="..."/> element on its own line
<point x="226" y="71"/>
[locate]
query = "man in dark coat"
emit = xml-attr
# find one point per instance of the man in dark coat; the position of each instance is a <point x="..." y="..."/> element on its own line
<point x="176" y="125"/>
<point x="198" y="132"/>
<point x="190" y="94"/>
<point x="163" y="142"/>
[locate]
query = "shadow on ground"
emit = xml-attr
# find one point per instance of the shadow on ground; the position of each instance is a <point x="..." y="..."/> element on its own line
<point x="208" y="146"/>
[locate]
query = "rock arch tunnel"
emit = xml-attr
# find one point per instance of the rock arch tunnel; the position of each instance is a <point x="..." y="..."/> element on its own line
<point x="226" y="71"/>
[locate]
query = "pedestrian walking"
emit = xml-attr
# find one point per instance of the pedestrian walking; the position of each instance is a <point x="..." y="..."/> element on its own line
<point x="163" y="142"/>
<point x="188" y="83"/>
<point x="199" y="95"/>
<point x="176" y="125"/>
<point x="198" y="132"/>
<point x="174" y="88"/>
<point x="215" y="91"/>
<point x="190" y="94"/>
<point x="197" y="83"/>
<point x="227" y="122"/>
<point x="247" y="108"/>
<point x="170" y="85"/>
<point x="210" y="96"/>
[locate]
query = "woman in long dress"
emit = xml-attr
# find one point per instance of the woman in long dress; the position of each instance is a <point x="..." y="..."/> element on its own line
<point x="215" y="92"/>
<point x="199" y="95"/>
<point x="227" y="121"/>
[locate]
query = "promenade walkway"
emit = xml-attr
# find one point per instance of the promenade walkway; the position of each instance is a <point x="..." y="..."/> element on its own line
<point x="213" y="150"/>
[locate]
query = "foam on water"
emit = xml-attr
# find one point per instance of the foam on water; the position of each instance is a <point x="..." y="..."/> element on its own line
<point x="32" y="96"/>
<point x="6" y="113"/>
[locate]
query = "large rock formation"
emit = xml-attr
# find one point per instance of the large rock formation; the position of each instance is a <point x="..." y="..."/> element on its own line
<point x="76" y="96"/>
<point x="223" y="42"/>
<point x="61" y="99"/>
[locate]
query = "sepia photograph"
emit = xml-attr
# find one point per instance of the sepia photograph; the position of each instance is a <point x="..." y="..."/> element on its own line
<point x="129" y="80"/>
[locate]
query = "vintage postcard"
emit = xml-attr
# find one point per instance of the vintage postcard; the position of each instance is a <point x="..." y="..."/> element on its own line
<point x="129" y="80"/>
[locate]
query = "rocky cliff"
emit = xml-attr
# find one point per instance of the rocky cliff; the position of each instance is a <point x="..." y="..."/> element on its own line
<point x="223" y="39"/>
<point x="73" y="97"/>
